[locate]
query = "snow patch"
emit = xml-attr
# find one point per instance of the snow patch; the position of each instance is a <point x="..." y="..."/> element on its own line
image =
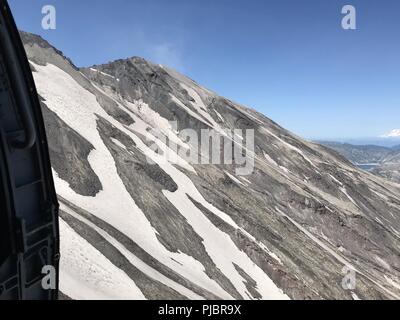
<point x="383" y="263"/>
<point x="354" y="296"/>
<point x="233" y="178"/>
<point x="104" y="74"/>
<point x="134" y="260"/>
<point x="200" y="107"/>
<point x="85" y="274"/>
<point x="219" y="116"/>
<point x="392" y="282"/>
<point x="344" y="190"/>
<point x="118" y="143"/>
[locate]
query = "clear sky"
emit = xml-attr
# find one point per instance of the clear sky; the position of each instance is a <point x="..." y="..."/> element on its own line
<point x="289" y="59"/>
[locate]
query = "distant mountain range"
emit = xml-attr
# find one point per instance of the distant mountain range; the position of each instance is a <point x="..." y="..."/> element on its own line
<point x="383" y="161"/>
<point x="388" y="142"/>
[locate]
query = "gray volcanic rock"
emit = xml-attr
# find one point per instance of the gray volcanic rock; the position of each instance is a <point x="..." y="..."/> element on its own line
<point x="172" y="229"/>
<point x="69" y="155"/>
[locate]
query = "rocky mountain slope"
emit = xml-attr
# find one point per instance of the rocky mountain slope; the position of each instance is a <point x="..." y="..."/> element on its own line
<point x="138" y="229"/>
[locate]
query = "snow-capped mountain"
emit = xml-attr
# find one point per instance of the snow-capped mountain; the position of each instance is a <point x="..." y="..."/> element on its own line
<point x="138" y="229"/>
<point x="395" y="133"/>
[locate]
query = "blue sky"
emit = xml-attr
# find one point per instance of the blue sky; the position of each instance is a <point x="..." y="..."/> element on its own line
<point x="289" y="59"/>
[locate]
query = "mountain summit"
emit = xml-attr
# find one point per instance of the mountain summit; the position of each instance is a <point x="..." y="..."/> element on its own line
<point x="303" y="224"/>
